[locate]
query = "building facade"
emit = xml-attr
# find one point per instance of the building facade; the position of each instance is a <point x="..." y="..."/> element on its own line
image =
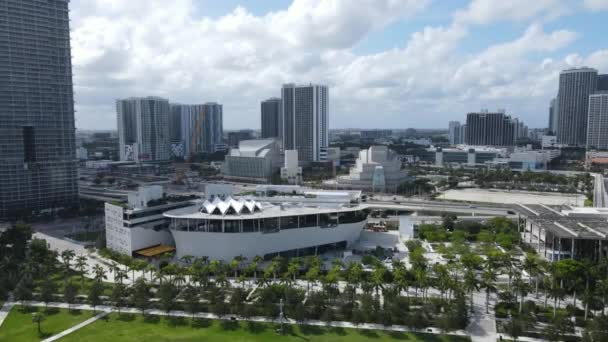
<point x="234" y="138"/>
<point x="143" y="129"/>
<point x="490" y="129"/>
<point x="553" y="116"/>
<point x="305" y="119"/>
<point x="291" y="172"/>
<point x="253" y="160"/>
<point x="455" y="130"/>
<point x="575" y="86"/>
<point x="597" y="131"/>
<point x="37" y="141"/>
<point x="272" y="119"/>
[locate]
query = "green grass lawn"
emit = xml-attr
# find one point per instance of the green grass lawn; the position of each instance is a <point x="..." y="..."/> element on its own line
<point x="131" y="328"/>
<point x="18" y="326"/>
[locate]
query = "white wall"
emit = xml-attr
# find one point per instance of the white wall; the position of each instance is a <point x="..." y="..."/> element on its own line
<point x="118" y="238"/>
<point x="225" y="246"/>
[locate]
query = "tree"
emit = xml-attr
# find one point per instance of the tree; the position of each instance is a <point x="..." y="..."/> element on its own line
<point x="117" y="297"/>
<point x="69" y="293"/>
<point x="167" y="293"/>
<point x="94" y="295"/>
<point x="37" y="319"/>
<point x="191" y="300"/>
<point x="488" y="281"/>
<point x="81" y="264"/>
<point x="559" y="326"/>
<point x="67" y="256"/>
<point x="140" y="295"/>
<point x="47" y="292"/>
<point x="471" y="284"/>
<point x="24" y="289"/>
<point x="596" y="329"/>
<point x="100" y="273"/>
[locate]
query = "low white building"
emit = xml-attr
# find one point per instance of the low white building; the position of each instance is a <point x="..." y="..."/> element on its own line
<point x="377" y="168"/>
<point x="139" y="223"/>
<point x="291" y="172"/>
<point x="253" y="161"/>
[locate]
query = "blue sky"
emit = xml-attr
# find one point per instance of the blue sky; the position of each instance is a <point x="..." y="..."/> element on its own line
<point x="406" y="63"/>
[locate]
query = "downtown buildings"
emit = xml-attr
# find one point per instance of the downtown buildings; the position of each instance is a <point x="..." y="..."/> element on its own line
<point x="575" y="87"/>
<point x="152" y="129"/>
<point x="305" y="113"/>
<point x="597" y="131"/>
<point x="37" y="140"/>
<point x="490" y="129"/>
<point x="272" y="118"/>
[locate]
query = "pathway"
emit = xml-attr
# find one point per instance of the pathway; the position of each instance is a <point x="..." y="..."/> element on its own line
<point x="482" y="326"/>
<point x="6" y="309"/>
<point x="76" y="327"/>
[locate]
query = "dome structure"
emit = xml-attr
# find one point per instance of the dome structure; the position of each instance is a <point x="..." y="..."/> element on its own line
<point x="231" y="206"/>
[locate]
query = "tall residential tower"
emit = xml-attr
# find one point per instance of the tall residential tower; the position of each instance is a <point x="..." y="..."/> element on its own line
<point x="575" y="86"/>
<point x="597" y="131"/>
<point x="305" y="120"/>
<point x="143" y="128"/>
<point x="493" y="129"/>
<point x="272" y="123"/>
<point x="37" y="142"/>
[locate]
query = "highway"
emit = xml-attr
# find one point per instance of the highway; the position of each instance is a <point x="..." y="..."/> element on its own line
<point x="449" y="207"/>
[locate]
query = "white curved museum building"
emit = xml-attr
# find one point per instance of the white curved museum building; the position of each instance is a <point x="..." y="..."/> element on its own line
<point x="223" y="229"/>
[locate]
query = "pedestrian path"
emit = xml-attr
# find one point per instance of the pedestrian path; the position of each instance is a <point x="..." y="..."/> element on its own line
<point x="76" y="327"/>
<point x="5" y="310"/>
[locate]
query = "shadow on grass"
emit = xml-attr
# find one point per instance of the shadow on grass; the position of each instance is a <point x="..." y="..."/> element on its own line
<point x="201" y="323"/>
<point x="256" y="327"/>
<point x="338" y="331"/>
<point x="44" y="335"/>
<point x="75" y="312"/>
<point x="176" y="321"/>
<point x="368" y="333"/>
<point x="125" y="317"/>
<point x="229" y="325"/>
<point x="311" y="330"/>
<point x="51" y="311"/>
<point x="152" y="319"/>
<point x="28" y="309"/>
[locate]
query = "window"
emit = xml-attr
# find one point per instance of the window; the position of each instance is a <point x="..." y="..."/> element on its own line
<point x="232" y="226"/>
<point x="29" y="144"/>
<point x="308" y="221"/>
<point x="328" y="220"/>
<point x="250" y="226"/>
<point x="289" y="222"/>
<point x="215" y="226"/>
<point x="269" y="225"/>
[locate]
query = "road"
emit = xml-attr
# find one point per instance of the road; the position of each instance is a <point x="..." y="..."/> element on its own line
<point x="600" y="198"/>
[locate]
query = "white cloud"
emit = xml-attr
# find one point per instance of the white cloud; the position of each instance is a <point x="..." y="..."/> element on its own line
<point x="126" y="48"/>
<point x="596" y="5"/>
<point x="488" y="11"/>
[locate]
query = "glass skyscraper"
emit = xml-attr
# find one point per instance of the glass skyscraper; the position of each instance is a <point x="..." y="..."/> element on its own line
<point x="38" y="169"/>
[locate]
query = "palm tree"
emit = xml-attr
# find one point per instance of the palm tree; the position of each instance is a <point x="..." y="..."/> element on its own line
<point x="67" y="256"/>
<point x="521" y="289"/>
<point x="120" y="275"/>
<point x="312" y="276"/>
<point x="256" y="263"/>
<point x="151" y="269"/>
<point x="488" y="280"/>
<point x="377" y="277"/>
<point x="293" y="268"/>
<point x="187" y="259"/>
<point x="531" y="265"/>
<point x="235" y="264"/>
<point x="471" y="284"/>
<point x="81" y="264"/>
<point x="401" y="281"/>
<point x="100" y="273"/>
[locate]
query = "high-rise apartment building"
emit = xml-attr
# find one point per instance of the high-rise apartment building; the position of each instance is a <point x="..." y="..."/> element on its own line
<point x="492" y="129"/>
<point x="575" y="86"/>
<point x="272" y="123"/>
<point x="305" y="120"/>
<point x="553" y="110"/>
<point x="597" y="130"/>
<point x="201" y="126"/>
<point x="212" y="127"/>
<point x="602" y="82"/>
<point x="37" y="142"/>
<point x="455" y="133"/>
<point x="143" y="128"/>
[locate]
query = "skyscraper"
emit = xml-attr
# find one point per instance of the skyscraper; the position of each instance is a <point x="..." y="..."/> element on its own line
<point x="305" y="119"/>
<point x="575" y="86"/>
<point x="271" y="118"/>
<point x="602" y="82"/>
<point x="37" y="141"/>
<point x="143" y="128"/>
<point x="553" y="110"/>
<point x="454" y="133"/>
<point x="212" y="126"/>
<point x="493" y="129"/>
<point x="597" y="131"/>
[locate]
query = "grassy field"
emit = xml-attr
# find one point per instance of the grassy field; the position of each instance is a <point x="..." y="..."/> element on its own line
<point x="131" y="328"/>
<point x="18" y="326"/>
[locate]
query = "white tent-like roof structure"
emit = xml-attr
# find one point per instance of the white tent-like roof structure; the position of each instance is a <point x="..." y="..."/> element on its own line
<point x="231" y="206"/>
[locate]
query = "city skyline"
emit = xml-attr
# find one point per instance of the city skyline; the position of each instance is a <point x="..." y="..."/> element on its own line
<point x="409" y="64"/>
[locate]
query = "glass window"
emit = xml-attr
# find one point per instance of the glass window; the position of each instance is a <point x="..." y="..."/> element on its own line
<point x="215" y="226"/>
<point x="328" y="220"/>
<point x="308" y="221"/>
<point x="250" y="226"/>
<point x="289" y="222"/>
<point x="269" y="225"/>
<point x="232" y="226"/>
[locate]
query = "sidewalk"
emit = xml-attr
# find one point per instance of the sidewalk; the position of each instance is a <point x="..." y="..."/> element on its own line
<point x="76" y="327"/>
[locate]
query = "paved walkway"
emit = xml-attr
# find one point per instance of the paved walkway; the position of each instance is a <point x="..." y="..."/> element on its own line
<point x="76" y="327"/>
<point x="336" y="324"/>
<point x="4" y="311"/>
<point x="482" y="326"/>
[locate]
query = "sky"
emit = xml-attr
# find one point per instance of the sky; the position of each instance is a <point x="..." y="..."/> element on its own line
<point x="388" y="63"/>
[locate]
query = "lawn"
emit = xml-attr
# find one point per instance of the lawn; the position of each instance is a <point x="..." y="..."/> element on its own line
<point x="131" y="328"/>
<point x="18" y="325"/>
